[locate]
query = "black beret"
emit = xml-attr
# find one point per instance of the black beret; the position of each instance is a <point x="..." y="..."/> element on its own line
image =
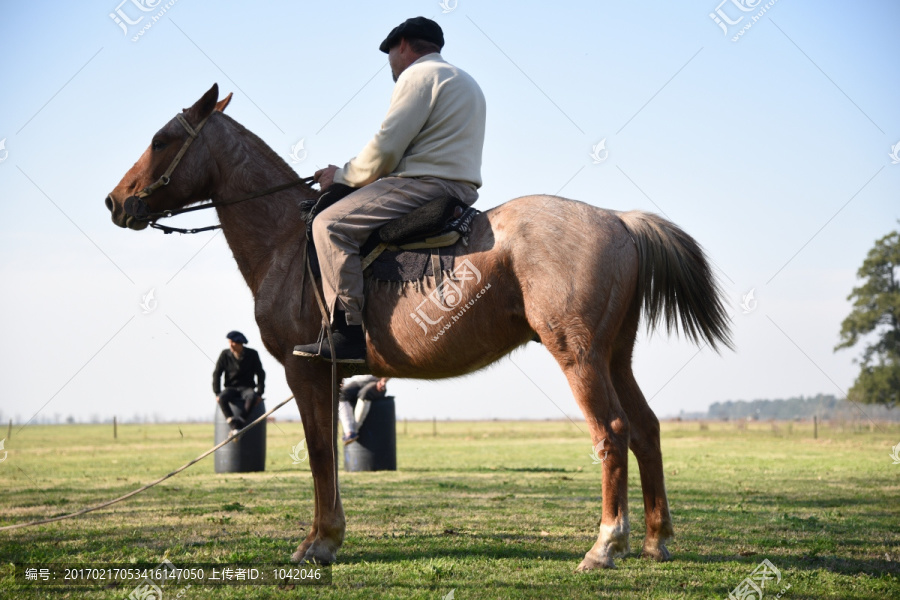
<point x="418" y="28"/>
<point x="236" y="336"/>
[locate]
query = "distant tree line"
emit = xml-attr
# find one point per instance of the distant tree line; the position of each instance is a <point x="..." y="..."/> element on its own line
<point x="825" y="406"/>
<point x="137" y="418"/>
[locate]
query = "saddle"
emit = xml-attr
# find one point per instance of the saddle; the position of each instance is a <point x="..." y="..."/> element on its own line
<point x="398" y="251"/>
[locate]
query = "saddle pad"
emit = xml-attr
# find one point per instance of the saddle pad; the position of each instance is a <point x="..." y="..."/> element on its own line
<point x="398" y="265"/>
<point x="409" y="265"/>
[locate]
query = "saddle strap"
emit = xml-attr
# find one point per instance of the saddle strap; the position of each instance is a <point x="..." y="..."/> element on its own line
<point x="370" y="258"/>
<point x="437" y="273"/>
<point x="440" y="241"/>
<point x="326" y="328"/>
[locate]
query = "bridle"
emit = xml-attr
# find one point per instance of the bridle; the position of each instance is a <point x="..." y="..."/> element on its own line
<point x="136" y="207"/>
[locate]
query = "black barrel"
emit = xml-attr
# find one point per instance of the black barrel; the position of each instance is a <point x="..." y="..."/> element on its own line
<point x="376" y="448"/>
<point x="246" y="454"/>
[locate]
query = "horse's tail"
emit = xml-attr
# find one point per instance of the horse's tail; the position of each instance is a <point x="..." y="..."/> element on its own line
<point x="675" y="280"/>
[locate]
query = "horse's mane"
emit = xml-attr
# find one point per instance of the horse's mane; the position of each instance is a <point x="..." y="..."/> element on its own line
<point x="271" y="155"/>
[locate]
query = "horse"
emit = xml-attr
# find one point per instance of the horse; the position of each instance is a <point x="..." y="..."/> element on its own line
<point x="575" y="277"/>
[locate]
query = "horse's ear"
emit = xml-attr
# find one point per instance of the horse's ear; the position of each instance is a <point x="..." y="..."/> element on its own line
<point x="221" y="104"/>
<point x="203" y="107"/>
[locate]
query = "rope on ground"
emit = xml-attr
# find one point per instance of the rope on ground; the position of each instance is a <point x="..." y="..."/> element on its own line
<point x="84" y="511"/>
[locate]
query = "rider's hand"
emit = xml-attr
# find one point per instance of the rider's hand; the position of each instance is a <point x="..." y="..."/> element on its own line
<point x="325" y="177"/>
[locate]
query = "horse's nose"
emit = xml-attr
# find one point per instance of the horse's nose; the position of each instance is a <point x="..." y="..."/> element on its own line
<point x="109" y="203"/>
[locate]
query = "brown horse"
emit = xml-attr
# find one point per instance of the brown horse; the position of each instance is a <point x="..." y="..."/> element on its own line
<point x="574" y="275"/>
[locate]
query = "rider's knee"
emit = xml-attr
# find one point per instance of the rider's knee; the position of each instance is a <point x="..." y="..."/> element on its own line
<point x="322" y="225"/>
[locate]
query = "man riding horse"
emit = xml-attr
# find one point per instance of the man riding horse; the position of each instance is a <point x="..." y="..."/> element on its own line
<point x="579" y="280"/>
<point x="429" y="146"/>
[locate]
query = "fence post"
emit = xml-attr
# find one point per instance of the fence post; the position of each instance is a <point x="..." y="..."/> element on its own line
<point x="115" y="429"/>
<point x="434" y="426"/>
<point x="815" y="427"/>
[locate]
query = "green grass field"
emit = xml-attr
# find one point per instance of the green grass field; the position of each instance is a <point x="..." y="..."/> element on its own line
<point x="483" y="510"/>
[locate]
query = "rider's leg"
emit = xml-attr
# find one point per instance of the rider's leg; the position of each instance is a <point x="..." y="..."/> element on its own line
<point x="342" y="229"/>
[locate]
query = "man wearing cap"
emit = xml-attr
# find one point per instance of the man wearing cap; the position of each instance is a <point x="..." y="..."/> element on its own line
<point x="428" y="147"/>
<point x="240" y="365"/>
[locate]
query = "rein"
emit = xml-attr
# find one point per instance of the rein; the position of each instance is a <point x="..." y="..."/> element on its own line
<point x="136" y="206"/>
<point x="143" y="488"/>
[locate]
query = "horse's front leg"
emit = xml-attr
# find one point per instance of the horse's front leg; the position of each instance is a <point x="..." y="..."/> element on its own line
<point x="312" y="388"/>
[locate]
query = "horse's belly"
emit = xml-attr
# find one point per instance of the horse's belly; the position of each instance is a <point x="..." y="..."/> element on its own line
<point x="427" y="331"/>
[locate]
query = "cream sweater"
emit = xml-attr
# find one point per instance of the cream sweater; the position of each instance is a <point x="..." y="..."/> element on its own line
<point x="434" y="127"/>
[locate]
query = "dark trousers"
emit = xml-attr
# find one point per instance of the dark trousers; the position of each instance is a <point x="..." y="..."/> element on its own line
<point x="242" y="396"/>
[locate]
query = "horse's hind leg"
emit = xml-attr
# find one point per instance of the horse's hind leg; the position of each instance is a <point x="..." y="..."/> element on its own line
<point x="644" y="442"/>
<point x="595" y="394"/>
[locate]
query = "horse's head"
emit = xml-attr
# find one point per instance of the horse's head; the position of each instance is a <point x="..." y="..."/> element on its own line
<point x="174" y="171"/>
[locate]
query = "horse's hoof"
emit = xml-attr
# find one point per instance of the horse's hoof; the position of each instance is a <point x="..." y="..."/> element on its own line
<point x="316" y="553"/>
<point x="659" y="553"/>
<point x="591" y="564"/>
<point x="298" y="555"/>
<point x="300" y="552"/>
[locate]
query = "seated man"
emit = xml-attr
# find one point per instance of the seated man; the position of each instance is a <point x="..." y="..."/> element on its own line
<point x="361" y="389"/>
<point x="240" y="366"/>
<point x="429" y="146"/>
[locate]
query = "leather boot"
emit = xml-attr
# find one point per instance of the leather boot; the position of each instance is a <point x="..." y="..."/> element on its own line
<point x="349" y="343"/>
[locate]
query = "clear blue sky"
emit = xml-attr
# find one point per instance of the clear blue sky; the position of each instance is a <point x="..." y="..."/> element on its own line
<point x="772" y="151"/>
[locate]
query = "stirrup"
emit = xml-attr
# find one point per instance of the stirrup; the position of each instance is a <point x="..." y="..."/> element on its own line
<point x="319" y="345"/>
<point x="342" y="344"/>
